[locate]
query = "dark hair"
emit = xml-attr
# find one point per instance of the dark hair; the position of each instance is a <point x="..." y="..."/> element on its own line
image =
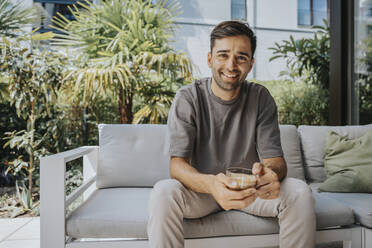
<point x="233" y="28"/>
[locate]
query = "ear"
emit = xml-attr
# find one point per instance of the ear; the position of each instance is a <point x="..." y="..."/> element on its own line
<point x="209" y="59"/>
<point x="251" y="65"/>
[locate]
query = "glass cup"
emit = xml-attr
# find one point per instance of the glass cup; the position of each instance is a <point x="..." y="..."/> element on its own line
<point x="242" y="176"/>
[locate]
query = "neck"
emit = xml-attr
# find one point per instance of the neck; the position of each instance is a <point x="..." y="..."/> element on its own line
<point x="225" y="95"/>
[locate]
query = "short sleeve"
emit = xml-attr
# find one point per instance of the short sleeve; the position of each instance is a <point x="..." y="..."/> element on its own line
<point x="181" y="126"/>
<point x="268" y="133"/>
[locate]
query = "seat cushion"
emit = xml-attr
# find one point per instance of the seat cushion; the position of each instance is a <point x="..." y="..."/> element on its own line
<point x="313" y="141"/>
<point x="132" y="155"/>
<point x="292" y="151"/>
<point x="360" y="203"/>
<point x="122" y="213"/>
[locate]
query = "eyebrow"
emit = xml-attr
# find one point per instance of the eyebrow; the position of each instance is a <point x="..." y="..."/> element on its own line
<point x="226" y="51"/>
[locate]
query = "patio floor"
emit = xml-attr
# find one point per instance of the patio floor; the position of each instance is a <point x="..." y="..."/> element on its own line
<point x="20" y="232"/>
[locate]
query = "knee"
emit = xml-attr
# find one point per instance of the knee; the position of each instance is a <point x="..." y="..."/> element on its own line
<point x="296" y="190"/>
<point x="166" y="194"/>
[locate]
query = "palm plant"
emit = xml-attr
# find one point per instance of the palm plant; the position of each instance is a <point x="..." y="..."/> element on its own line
<point x="13" y="17"/>
<point x="123" y="48"/>
<point x="307" y="57"/>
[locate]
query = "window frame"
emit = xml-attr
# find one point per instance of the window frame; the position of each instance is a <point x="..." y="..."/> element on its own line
<point x="245" y="11"/>
<point x="311" y="14"/>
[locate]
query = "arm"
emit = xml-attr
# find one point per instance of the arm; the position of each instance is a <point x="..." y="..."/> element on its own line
<point x="181" y="170"/>
<point x="218" y="186"/>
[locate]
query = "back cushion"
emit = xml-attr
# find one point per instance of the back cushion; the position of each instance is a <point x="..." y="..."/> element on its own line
<point x="313" y="142"/>
<point x="292" y="151"/>
<point x="132" y="155"/>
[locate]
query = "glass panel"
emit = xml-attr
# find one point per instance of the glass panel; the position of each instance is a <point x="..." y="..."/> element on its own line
<point x="51" y="8"/>
<point x="238" y="10"/>
<point x="319" y="11"/>
<point x="303" y="12"/>
<point x="362" y="107"/>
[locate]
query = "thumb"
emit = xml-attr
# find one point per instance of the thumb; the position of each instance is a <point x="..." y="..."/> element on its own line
<point x="258" y="169"/>
<point x="227" y="181"/>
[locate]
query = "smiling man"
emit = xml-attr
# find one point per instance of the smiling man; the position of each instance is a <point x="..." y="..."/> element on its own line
<point x="221" y="122"/>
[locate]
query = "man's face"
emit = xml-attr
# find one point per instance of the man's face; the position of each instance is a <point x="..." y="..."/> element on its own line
<point x="230" y="61"/>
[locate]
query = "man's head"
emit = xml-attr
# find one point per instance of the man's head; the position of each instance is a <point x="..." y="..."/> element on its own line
<point x="233" y="28"/>
<point x="231" y="57"/>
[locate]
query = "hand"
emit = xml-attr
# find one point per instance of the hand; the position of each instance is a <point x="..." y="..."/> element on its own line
<point x="268" y="185"/>
<point x="226" y="192"/>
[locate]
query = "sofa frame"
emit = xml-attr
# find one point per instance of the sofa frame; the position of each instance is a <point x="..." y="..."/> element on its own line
<point x="54" y="203"/>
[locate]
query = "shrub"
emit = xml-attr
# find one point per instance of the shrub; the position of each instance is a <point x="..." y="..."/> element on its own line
<point x="299" y="103"/>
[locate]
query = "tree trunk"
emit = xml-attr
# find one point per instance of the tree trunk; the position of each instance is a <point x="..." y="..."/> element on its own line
<point x="31" y="154"/>
<point x="125" y="108"/>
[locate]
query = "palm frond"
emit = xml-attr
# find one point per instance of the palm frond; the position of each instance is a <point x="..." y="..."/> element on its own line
<point x="13" y="17"/>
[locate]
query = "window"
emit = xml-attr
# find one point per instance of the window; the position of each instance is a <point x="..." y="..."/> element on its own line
<point x="312" y="12"/>
<point x="51" y="8"/>
<point x="238" y="10"/>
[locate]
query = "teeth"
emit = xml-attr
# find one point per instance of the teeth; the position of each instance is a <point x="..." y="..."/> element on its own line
<point x="230" y="76"/>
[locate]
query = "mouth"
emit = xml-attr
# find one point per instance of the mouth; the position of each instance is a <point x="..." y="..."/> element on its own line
<point x="230" y="75"/>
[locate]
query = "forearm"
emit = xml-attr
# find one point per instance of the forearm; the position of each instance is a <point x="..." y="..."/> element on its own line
<point x="181" y="170"/>
<point x="278" y="165"/>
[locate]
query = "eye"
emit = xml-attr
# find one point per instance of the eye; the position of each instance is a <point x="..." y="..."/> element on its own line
<point x="242" y="58"/>
<point x="222" y="55"/>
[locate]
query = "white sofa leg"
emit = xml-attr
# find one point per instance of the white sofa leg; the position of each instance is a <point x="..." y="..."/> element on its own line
<point x="356" y="239"/>
<point x="52" y="203"/>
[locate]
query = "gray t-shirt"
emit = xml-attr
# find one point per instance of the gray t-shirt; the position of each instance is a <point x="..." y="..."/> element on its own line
<point x="216" y="134"/>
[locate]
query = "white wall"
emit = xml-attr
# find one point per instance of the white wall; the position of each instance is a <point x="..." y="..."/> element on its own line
<point x="194" y="40"/>
<point x="266" y="70"/>
<point x="194" y="27"/>
<point x="272" y="21"/>
<point x="281" y="14"/>
<point x="205" y="10"/>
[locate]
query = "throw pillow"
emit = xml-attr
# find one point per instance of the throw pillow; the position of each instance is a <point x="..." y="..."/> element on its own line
<point x="348" y="164"/>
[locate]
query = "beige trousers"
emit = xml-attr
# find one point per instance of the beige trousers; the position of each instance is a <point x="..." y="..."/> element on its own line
<point x="170" y="202"/>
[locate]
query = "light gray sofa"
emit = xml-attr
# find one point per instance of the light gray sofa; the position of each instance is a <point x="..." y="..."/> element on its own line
<point x="130" y="159"/>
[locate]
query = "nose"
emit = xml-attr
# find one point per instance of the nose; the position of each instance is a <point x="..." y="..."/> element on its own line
<point x="231" y="63"/>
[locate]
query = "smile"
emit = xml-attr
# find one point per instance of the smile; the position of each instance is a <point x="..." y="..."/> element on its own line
<point x="230" y="75"/>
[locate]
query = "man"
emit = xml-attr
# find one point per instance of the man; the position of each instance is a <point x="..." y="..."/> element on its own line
<point x="224" y="121"/>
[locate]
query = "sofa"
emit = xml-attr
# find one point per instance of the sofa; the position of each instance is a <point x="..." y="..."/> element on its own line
<point x="130" y="159"/>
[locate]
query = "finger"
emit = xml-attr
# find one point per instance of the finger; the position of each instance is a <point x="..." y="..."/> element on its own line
<point x="269" y="195"/>
<point x="257" y="169"/>
<point x="227" y="181"/>
<point x="268" y="188"/>
<point x="271" y="173"/>
<point x="241" y="194"/>
<point x="264" y="180"/>
<point x="240" y="204"/>
<point x="269" y="191"/>
<point x="269" y="177"/>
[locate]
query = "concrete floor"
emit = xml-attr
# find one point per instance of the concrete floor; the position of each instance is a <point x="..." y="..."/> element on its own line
<point x="20" y="233"/>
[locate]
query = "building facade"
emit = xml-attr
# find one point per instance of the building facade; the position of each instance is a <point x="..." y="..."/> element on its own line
<point x="271" y="20"/>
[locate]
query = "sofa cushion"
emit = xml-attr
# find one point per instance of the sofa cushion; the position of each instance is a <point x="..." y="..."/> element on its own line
<point x="313" y="141"/>
<point x="360" y="203"/>
<point x="348" y="164"/>
<point x="292" y="151"/>
<point x="122" y="213"/>
<point x="131" y="155"/>
<point x="137" y="155"/>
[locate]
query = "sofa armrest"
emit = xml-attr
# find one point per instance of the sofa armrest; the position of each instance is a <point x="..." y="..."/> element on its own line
<point x="53" y="194"/>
